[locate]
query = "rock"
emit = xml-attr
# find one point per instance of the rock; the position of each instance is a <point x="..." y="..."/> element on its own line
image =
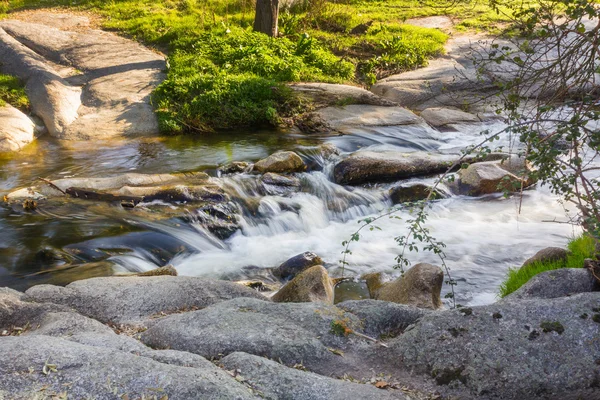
<point x="549" y="254"/>
<point x="328" y="150"/>
<point x="439" y="22"/>
<point x="279" y="185"/>
<point x="382" y="318"/>
<point x="95" y="372"/>
<point x="297" y="264"/>
<point x="310" y="285"/>
<point x="346" y="290"/>
<point x="361" y="29"/>
<point x="438" y="117"/>
<point x="276" y="381"/>
<point x="17" y="313"/>
<point x="166" y="270"/>
<point x="83" y="84"/>
<point x="371" y="167"/>
<point x="234" y="167"/>
<point x="341" y="118"/>
<point x="491" y="177"/>
<point x="412" y="193"/>
<point x="420" y="286"/>
<point x="132" y="300"/>
<point x="331" y="94"/>
<point x="556" y="283"/>
<point x="16" y="129"/>
<point x="294" y="333"/>
<point x="508" y="350"/>
<point x="281" y="162"/>
<point x="374" y="281"/>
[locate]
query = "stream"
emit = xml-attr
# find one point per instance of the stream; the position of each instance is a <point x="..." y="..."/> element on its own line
<point x="485" y="236"/>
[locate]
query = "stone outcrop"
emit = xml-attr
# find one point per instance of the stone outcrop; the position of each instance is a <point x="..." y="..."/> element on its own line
<point x="331" y="94"/>
<point x="353" y="116"/>
<point x="84" y="83"/>
<point x="420" y="286"/>
<point x="17" y="130"/>
<point x="280" y="162"/>
<point x="312" y="284"/>
<point x="439" y="117"/>
<point x="561" y="282"/>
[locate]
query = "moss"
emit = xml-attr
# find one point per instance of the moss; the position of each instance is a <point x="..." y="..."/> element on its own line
<point x="596" y="318"/>
<point x="447" y="375"/>
<point x="466" y="310"/>
<point x="340" y="327"/>
<point x="552" y="326"/>
<point x="12" y="91"/>
<point x="580" y="248"/>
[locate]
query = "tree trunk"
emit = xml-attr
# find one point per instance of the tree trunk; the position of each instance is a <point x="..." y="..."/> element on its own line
<point x="267" y="12"/>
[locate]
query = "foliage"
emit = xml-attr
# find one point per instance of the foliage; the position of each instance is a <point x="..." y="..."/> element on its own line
<point x="580" y="248"/>
<point x="13" y="92"/>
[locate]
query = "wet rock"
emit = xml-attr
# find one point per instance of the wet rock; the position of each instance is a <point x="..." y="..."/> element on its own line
<point x="438" y="117"/>
<point x="281" y="162"/>
<point x="549" y="254"/>
<point x="167" y="270"/>
<point x="334" y="94"/>
<point x="374" y="281"/>
<point x="350" y="290"/>
<point x="95" y="372"/>
<point x="132" y="300"/>
<point x="382" y="318"/>
<point x="556" y="283"/>
<point x="412" y="193"/>
<point x="279" y="185"/>
<point x="234" y="167"/>
<point x="328" y="150"/>
<point x="370" y="167"/>
<point x="420" y="286"/>
<point x="277" y="381"/>
<point x="297" y="264"/>
<point x="341" y="118"/>
<point x="312" y="284"/>
<point x="511" y="357"/>
<point x="294" y="333"/>
<point x="492" y="177"/>
<point x="16" y="129"/>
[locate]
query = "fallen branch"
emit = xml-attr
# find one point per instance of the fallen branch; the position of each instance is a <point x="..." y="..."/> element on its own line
<point x="52" y="185"/>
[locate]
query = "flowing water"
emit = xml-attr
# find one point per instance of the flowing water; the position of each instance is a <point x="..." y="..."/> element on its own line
<point x="484" y="236"/>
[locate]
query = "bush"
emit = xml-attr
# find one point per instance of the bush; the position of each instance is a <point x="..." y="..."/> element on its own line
<point x="580" y="248"/>
<point x="234" y="77"/>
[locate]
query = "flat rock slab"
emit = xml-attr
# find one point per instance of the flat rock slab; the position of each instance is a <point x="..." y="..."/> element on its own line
<point x="16" y="129"/>
<point x="332" y="94"/>
<point x="277" y="381"/>
<point x="80" y="371"/>
<point x="439" y="116"/>
<point x="539" y="348"/>
<point x="105" y="93"/>
<point x="352" y="116"/>
<point x="133" y="300"/>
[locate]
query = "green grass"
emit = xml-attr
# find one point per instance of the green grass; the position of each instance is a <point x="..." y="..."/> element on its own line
<point x="13" y="93"/>
<point x="579" y="249"/>
<point x="222" y="75"/>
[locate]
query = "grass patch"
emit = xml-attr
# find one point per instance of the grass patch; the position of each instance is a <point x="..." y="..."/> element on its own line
<point x="222" y="75"/>
<point x="13" y="93"/>
<point x="580" y="248"/>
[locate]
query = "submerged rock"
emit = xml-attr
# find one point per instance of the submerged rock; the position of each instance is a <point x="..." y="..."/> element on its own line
<point x="279" y="185"/>
<point x="297" y="264"/>
<point x="312" y="284"/>
<point x="556" y="283"/>
<point x="277" y="381"/>
<point x="132" y="300"/>
<point x="420" y="286"/>
<point x="281" y="162"/>
<point x="16" y="129"/>
<point x="412" y="193"/>
<point x="371" y="167"/>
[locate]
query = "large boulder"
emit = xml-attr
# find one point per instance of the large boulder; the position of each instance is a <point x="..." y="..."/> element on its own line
<point x="493" y="176"/>
<point x="132" y="300"/>
<point x="297" y="264"/>
<point x="294" y="333"/>
<point x="16" y="129"/>
<point x="439" y="117"/>
<point x="549" y="254"/>
<point x="310" y="285"/>
<point x="419" y="286"/>
<point x="33" y="365"/>
<point x="277" y="381"/>
<point x="529" y="349"/>
<point x="556" y="283"/>
<point x="412" y="193"/>
<point x="281" y="162"/>
<point x="371" y="167"/>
